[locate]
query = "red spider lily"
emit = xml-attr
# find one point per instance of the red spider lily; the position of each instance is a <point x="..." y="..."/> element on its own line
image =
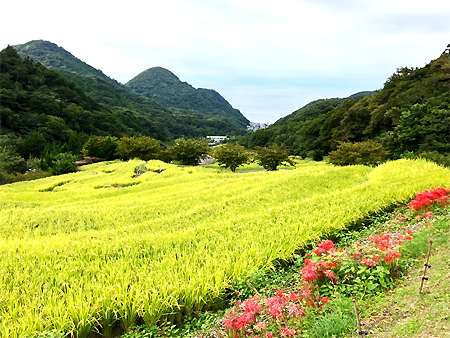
<point x="382" y="241"/>
<point x="260" y="326"/>
<point x="317" y="270"/>
<point x="268" y="334"/>
<point x="368" y="262"/>
<point x="284" y="331"/>
<point x="393" y="253"/>
<point x="428" y="214"/>
<point x="293" y="296"/>
<point x="324" y="247"/>
<point x="330" y="274"/>
<point x="252" y="305"/>
<point x="306" y="293"/>
<point x="275" y="306"/>
<point x="409" y="232"/>
<point x="296" y="311"/>
<point x="427" y="197"/>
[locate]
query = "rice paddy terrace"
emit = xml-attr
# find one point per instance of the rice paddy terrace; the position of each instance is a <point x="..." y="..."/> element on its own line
<point x="100" y="250"/>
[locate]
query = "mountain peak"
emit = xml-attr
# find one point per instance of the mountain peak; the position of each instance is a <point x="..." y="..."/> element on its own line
<point x="53" y="56"/>
<point x="164" y="87"/>
<point x="162" y="72"/>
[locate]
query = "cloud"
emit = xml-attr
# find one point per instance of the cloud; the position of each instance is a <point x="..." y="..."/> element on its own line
<point x="266" y="58"/>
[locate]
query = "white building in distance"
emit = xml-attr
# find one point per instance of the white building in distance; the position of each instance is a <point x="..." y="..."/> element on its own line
<point x="213" y="140"/>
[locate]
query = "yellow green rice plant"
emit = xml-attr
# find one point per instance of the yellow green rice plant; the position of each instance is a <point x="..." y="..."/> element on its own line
<point x="102" y="249"/>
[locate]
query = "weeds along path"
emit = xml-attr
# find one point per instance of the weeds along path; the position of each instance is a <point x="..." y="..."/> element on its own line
<point x="75" y="255"/>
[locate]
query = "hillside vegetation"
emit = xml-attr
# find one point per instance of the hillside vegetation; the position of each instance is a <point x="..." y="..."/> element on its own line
<point x="164" y="87"/>
<point x="45" y="118"/>
<point x="207" y="112"/>
<point x="409" y="115"/>
<point x="101" y="250"/>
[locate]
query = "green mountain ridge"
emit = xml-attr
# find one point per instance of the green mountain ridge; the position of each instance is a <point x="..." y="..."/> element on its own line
<point x="410" y="115"/>
<point x="318" y="107"/>
<point x="168" y="124"/>
<point x="165" y="88"/>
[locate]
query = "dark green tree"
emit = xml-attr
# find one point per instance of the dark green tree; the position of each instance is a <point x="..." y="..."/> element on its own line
<point x="33" y="145"/>
<point x="10" y="159"/>
<point x="188" y="151"/>
<point x="364" y="153"/>
<point x="231" y="156"/>
<point x="272" y="157"/>
<point x="63" y="163"/>
<point x="145" y="148"/>
<point x="104" y="147"/>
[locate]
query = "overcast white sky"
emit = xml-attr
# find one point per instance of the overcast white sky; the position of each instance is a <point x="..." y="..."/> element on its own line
<point x="267" y="58"/>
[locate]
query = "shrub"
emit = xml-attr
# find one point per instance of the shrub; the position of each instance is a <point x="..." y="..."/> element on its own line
<point x="231" y="156"/>
<point x="272" y="157"/>
<point x="145" y="148"/>
<point x="101" y="146"/>
<point x="436" y="157"/>
<point x="63" y="163"/>
<point x="188" y="151"/>
<point x="11" y="162"/>
<point x="365" y="153"/>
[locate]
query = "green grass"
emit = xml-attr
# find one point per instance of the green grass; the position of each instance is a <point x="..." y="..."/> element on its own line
<point x="77" y="258"/>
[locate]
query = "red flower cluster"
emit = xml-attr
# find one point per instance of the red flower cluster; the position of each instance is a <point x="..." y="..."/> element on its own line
<point x="368" y="262"/>
<point x="324" y="247"/>
<point x="252" y="316"/>
<point x="427" y="197"/>
<point x="320" y="270"/>
<point x="286" y="332"/>
<point x="382" y="241"/>
<point x="250" y="310"/>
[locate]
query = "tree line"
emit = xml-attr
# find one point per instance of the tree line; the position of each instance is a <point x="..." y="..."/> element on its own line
<point x="185" y="152"/>
<point x="14" y="167"/>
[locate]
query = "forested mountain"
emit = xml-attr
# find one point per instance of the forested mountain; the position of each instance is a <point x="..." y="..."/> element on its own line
<point x="319" y="107"/>
<point x="167" y="124"/>
<point x="38" y="102"/>
<point x="46" y="120"/>
<point x="165" y="88"/>
<point x="410" y="114"/>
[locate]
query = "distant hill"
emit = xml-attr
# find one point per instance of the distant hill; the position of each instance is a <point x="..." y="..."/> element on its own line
<point x="165" y="88"/>
<point x="318" y="107"/>
<point x="409" y="116"/>
<point x="168" y="124"/>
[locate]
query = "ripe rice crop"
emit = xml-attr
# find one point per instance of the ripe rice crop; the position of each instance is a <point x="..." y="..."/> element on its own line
<point x="99" y="249"/>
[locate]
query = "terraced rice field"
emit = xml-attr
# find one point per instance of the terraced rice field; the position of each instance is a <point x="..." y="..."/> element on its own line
<point x="99" y="250"/>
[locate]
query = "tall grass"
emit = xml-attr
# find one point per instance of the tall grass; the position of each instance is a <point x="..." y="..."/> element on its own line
<point x="78" y="258"/>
